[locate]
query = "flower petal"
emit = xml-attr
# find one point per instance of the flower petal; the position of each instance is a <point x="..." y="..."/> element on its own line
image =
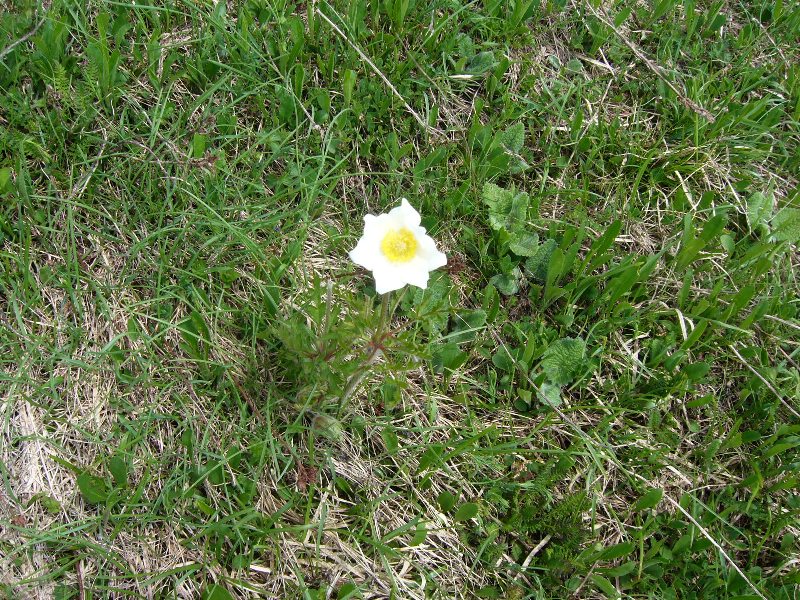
<point x="363" y="254"/>
<point x="387" y="280"/>
<point x="367" y="252"/>
<point x="415" y="273"/>
<point x="377" y="226"/>
<point x="390" y="275"/>
<point x="427" y="251"/>
<point x="405" y="215"/>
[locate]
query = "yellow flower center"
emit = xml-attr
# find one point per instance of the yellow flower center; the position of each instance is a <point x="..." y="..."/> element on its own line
<point x="399" y="245"/>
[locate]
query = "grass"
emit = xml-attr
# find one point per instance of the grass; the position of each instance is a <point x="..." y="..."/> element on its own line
<point x="597" y="398"/>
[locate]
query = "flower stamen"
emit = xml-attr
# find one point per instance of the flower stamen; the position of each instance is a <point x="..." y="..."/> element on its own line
<point x="399" y="245"/>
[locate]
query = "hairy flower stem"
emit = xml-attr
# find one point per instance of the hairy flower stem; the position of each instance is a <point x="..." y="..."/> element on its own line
<point x="376" y="341"/>
<point x="375" y="351"/>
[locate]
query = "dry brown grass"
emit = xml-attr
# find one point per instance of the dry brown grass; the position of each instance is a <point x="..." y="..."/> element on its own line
<point x="74" y="424"/>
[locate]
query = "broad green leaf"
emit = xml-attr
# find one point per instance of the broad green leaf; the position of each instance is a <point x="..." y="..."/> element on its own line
<point x="216" y="592"/>
<point x="503" y="361"/>
<point x="391" y="440"/>
<point x="348" y="85"/>
<point x="538" y="264"/>
<point x="605" y="586"/>
<point x="499" y="202"/>
<point x="448" y="357"/>
<point x="198" y="145"/>
<point x="203" y="507"/>
<point x="563" y="360"/>
<point x="649" y="500"/>
<point x="728" y="243"/>
<point x="696" y="371"/>
<point x="194" y="332"/>
<point x="661" y="8"/>
<point x="716" y="24"/>
<point x="93" y="489"/>
<point x="467" y="325"/>
<point x="781" y="448"/>
<point x="623" y="14"/>
<point x="50" y="504"/>
<point x="61" y="592"/>
<point x="506" y="283"/>
<point x="751" y="436"/>
<point x="507" y="209"/>
<point x="491" y="302"/>
<point x="420" y="535"/>
<point x="431" y="160"/>
<point x="683" y="543"/>
<point x="481" y="63"/>
<point x="466" y="512"/>
<point x="431" y="457"/>
<point x="616" y="551"/>
<point x="513" y="138"/>
<point x="713" y="227"/>
<point x="328" y="426"/>
<point x="348" y="590"/>
<point x="446" y="501"/>
<point x="519" y="212"/>
<point x="624" y="569"/>
<point x="786" y="226"/>
<point x="759" y="208"/>
<point x="555" y="268"/>
<point x="214" y="471"/>
<point x="595" y="256"/>
<point x="549" y="394"/>
<point x="226" y="273"/>
<point x="5" y="177"/>
<point x="621" y="284"/>
<point x="119" y="470"/>
<point x="517" y="165"/>
<point x="495" y="196"/>
<point x="689" y="251"/>
<point x="524" y="244"/>
<point x="390" y="393"/>
<point x="431" y="306"/>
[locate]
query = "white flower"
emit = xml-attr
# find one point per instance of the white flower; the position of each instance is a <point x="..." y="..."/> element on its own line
<point x="397" y="250"/>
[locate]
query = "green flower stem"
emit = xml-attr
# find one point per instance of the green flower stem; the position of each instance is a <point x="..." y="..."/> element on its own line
<point x="379" y="332"/>
<point x="376" y="349"/>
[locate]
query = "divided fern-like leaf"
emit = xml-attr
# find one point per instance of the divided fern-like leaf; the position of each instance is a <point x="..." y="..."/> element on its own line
<point x="533" y="511"/>
<point x="432" y="305"/>
<point x="61" y="85"/>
